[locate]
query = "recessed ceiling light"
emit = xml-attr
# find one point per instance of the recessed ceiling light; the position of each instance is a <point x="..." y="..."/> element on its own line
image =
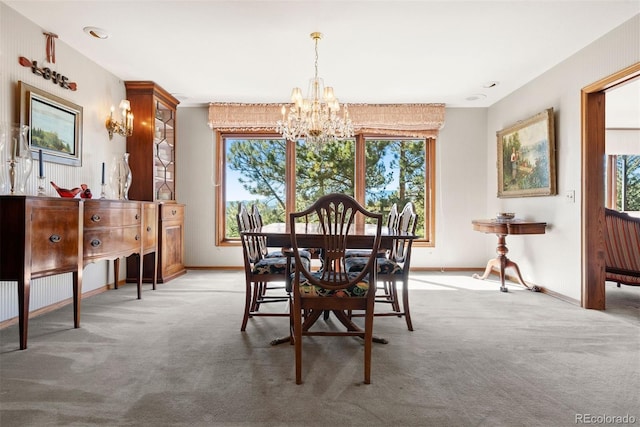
<point x="96" y="32"/>
<point x="488" y="85"/>
<point x="476" y="97"/>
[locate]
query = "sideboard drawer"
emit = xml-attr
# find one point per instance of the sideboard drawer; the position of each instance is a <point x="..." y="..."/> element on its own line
<point x="171" y="211"/>
<point x="108" y="241"/>
<point x="54" y="239"/>
<point x="111" y="214"/>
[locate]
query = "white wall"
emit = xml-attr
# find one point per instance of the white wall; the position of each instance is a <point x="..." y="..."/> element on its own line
<point x="553" y="260"/>
<point x="97" y="91"/>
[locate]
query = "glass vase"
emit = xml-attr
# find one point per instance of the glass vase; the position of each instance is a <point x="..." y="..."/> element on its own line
<point x="18" y="158"/>
<point x="121" y="177"/>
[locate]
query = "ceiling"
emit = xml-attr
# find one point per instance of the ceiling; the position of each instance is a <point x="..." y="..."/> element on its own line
<point x="372" y="51"/>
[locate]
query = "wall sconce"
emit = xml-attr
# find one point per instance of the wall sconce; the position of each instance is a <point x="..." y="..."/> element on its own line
<point x="125" y="127"/>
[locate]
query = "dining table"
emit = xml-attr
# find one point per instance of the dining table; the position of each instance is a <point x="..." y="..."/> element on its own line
<point x="278" y="235"/>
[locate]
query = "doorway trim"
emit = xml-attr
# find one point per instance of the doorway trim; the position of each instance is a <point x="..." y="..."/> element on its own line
<point x="593" y="184"/>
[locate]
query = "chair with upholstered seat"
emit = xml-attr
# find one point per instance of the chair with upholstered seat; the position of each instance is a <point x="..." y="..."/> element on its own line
<point x="256" y="222"/>
<point x="392" y="221"/>
<point x="333" y="288"/>
<point x="384" y="293"/>
<point x="394" y="269"/>
<point x="622" y="247"/>
<point x="260" y="271"/>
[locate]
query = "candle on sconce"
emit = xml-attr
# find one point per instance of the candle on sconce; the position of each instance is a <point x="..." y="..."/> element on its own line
<point x="102" y="173"/>
<point x="41" y="166"/>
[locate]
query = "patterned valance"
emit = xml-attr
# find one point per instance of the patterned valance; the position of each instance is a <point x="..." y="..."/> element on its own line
<point x="412" y="120"/>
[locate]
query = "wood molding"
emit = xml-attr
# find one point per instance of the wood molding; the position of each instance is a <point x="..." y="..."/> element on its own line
<point x="593" y="150"/>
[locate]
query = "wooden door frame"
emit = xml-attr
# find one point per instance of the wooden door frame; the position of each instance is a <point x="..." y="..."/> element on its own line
<point x="593" y="183"/>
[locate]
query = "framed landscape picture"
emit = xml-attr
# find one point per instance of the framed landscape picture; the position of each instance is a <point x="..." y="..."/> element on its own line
<point x="527" y="157"/>
<point x="55" y="125"/>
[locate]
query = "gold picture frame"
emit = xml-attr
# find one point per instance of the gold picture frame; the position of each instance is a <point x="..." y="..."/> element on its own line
<point x="527" y="157"/>
<point x="55" y="125"/>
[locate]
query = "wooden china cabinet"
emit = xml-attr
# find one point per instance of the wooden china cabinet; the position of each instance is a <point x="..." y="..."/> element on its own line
<point x="152" y="155"/>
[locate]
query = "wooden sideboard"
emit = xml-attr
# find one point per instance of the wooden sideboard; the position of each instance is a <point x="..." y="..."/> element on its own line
<point x="167" y="262"/>
<point x="45" y="236"/>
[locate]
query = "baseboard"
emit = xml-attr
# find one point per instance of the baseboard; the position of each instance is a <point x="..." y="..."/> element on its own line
<point x="55" y="306"/>
<point x="212" y="267"/>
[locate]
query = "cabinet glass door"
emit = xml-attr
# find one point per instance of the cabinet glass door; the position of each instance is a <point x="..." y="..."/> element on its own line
<point x="164" y="140"/>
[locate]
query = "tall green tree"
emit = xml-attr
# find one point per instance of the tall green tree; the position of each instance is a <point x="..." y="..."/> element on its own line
<point x="628" y="182"/>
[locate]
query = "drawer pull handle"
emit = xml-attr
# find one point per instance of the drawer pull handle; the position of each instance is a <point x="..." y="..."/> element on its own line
<point x="173" y="212"/>
<point x="95" y="243"/>
<point x="137" y="237"/>
<point x="95" y="218"/>
<point x="55" y="238"/>
<point x="148" y="228"/>
<point x="137" y="216"/>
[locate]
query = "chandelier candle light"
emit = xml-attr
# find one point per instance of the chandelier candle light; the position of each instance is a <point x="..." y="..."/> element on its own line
<point x="125" y="127"/>
<point x="315" y="118"/>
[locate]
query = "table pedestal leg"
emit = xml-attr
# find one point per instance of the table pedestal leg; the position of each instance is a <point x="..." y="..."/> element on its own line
<point x="502" y="263"/>
<point x="314" y="315"/>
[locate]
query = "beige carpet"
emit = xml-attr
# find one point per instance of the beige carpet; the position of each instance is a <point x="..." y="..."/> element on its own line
<point x="477" y="357"/>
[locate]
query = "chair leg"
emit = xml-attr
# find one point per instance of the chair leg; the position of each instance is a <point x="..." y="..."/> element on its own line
<point x="297" y="341"/>
<point x="247" y="307"/>
<point x="255" y="305"/>
<point x="368" y="340"/>
<point x="405" y="304"/>
<point x="291" y="331"/>
<point x="393" y="290"/>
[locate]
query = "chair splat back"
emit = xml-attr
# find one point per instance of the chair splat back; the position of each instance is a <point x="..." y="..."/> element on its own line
<point x="336" y="215"/>
<point x="406" y="223"/>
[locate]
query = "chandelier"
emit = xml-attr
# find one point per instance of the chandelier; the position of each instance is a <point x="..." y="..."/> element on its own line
<point x="315" y="118"/>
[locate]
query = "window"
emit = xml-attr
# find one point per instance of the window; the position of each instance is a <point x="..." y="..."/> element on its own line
<point x="282" y="177"/>
<point x="623" y="182"/>
<point x="396" y="173"/>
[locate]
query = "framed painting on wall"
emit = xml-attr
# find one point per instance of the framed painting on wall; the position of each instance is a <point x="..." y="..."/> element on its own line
<point x="55" y="125"/>
<point x="526" y="157"/>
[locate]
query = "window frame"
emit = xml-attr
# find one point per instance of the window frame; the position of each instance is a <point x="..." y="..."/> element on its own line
<point x="612" y="190"/>
<point x="290" y="180"/>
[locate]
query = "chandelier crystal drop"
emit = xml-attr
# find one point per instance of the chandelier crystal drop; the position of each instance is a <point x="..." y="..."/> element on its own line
<point x="317" y="117"/>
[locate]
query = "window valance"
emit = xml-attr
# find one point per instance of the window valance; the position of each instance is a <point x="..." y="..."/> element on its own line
<point x="412" y="120"/>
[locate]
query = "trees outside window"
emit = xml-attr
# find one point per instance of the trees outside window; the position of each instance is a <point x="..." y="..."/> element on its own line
<point x="255" y="169"/>
<point x="624" y="182"/>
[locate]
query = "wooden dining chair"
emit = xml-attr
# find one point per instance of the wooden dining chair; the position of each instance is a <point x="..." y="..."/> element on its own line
<point x="260" y="272"/>
<point x="384" y="292"/>
<point x="332" y="288"/>
<point x="393" y="269"/>
<point x="262" y="291"/>
<point x="392" y="221"/>
<point x="256" y="222"/>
